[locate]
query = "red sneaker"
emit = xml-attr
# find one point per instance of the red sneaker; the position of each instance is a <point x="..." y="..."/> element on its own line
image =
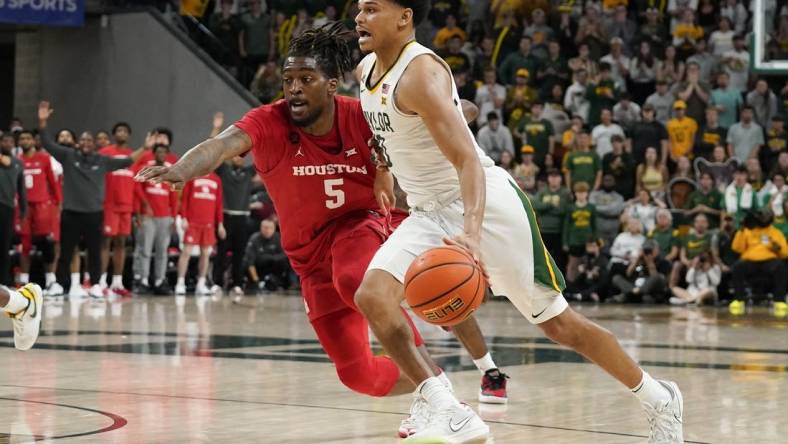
<point x="493" y="389"/>
<point x="120" y="292"/>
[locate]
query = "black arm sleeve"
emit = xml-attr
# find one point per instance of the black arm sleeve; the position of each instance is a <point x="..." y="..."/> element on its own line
<point x="59" y="152"/>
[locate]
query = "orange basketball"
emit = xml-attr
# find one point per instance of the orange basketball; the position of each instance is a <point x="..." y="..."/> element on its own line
<point x="444" y="285"/>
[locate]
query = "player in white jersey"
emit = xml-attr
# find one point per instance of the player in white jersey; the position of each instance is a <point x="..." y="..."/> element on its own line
<point x="411" y="103"/>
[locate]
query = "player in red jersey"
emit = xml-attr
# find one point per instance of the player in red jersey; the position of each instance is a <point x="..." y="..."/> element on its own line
<point x="156" y="136"/>
<point x="118" y="206"/>
<point x="312" y="154"/>
<point x="43" y="197"/>
<point x="155" y="205"/>
<point x="201" y="210"/>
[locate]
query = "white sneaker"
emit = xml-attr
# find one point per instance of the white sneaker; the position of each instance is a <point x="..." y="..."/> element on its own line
<point x="238" y="294"/>
<point x="28" y="321"/>
<point x="417" y="419"/>
<point x="180" y="289"/>
<point x="203" y="290"/>
<point x="454" y="425"/>
<point x="54" y="289"/>
<point x="77" y="291"/>
<point x="96" y="291"/>
<point x="666" y="420"/>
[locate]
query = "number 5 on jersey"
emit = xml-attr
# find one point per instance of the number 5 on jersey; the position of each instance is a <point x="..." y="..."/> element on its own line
<point x="337" y="196"/>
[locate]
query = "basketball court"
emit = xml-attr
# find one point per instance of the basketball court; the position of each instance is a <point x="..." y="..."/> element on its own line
<point x="207" y="370"/>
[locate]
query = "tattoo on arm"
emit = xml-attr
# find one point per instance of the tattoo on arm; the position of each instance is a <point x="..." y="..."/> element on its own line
<point x="208" y="155"/>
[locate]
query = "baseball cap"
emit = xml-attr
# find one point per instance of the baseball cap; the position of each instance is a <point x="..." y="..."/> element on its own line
<point x="527" y="149"/>
<point x="679" y="104"/>
<point x="523" y="72"/>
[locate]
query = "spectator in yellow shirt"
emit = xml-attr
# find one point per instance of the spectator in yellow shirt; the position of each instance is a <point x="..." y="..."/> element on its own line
<point x="762" y="249"/>
<point x="681" y="132"/>
<point x="450" y="30"/>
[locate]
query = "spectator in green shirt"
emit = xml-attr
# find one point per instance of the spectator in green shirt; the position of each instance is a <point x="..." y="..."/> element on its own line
<point x="601" y="95"/>
<point x="694" y="243"/>
<point x="256" y="39"/>
<point x="516" y="60"/>
<point x="579" y="225"/>
<point x="550" y="205"/>
<point x="706" y="200"/>
<point x="666" y="237"/>
<point x="538" y="132"/>
<point x="583" y="165"/>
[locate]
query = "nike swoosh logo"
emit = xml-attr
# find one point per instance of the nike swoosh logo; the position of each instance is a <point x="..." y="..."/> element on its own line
<point x="673" y="396"/>
<point x="32" y="299"/>
<point x="457" y="426"/>
<point x="539" y="314"/>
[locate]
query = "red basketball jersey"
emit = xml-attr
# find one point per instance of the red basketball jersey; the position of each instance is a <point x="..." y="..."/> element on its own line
<point x="119" y="193"/>
<point x="40" y="182"/>
<point x="315" y="183"/>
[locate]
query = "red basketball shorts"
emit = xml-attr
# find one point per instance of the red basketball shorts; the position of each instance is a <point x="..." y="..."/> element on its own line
<point x="202" y="235"/>
<point x="117" y="224"/>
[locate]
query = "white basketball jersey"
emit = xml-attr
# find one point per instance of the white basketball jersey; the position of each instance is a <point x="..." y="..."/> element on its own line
<point x="421" y="169"/>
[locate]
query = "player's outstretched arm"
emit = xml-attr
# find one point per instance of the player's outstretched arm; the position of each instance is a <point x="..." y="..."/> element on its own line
<point x="425" y="90"/>
<point x="200" y="160"/>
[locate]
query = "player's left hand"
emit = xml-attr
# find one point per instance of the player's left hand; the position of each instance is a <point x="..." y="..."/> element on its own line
<point x="222" y="232"/>
<point x="471" y="245"/>
<point x="384" y="191"/>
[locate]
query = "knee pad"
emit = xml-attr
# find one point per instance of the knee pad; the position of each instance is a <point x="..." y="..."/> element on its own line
<point x="372" y="375"/>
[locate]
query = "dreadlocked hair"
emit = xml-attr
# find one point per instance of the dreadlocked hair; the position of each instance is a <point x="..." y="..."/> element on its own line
<point x="328" y="45"/>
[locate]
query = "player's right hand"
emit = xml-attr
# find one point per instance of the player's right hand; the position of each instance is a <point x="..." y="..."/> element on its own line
<point x="384" y="191"/>
<point x="161" y="174"/>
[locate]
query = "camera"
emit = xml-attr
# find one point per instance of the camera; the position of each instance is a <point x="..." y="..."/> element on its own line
<point x="648" y="250"/>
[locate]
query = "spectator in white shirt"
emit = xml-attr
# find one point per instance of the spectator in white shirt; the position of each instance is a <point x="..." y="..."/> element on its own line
<point x="495" y="138"/>
<point x="626" y="112"/>
<point x="619" y="63"/>
<point x="489" y="97"/>
<point x="737" y="64"/>
<point x="721" y="40"/>
<point x="745" y="137"/>
<point x="575" y="101"/>
<point x="602" y="133"/>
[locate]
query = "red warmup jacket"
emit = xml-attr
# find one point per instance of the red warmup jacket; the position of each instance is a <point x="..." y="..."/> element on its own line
<point x="40" y="182"/>
<point x="161" y="199"/>
<point x="119" y="194"/>
<point x="201" y="201"/>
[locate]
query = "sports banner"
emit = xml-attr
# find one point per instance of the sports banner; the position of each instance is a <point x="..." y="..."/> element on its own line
<point x="43" y="12"/>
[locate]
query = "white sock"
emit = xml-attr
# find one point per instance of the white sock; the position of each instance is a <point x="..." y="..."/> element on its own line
<point x="436" y="394"/>
<point x="117" y="281"/>
<point x="650" y="391"/>
<point x="445" y="380"/>
<point x="103" y="280"/>
<point x="16" y="302"/>
<point x="158" y="282"/>
<point x="24" y="278"/>
<point x="181" y="281"/>
<point x="50" y="277"/>
<point x="485" y="363"/>
<point x="75" y="282"/>
<point x="201" y="282"/>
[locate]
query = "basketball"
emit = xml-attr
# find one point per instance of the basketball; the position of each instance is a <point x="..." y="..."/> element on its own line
<point x="444" y="285"/>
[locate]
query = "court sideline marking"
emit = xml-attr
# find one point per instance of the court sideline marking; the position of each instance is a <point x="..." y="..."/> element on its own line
<point x="346" y="409"/>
